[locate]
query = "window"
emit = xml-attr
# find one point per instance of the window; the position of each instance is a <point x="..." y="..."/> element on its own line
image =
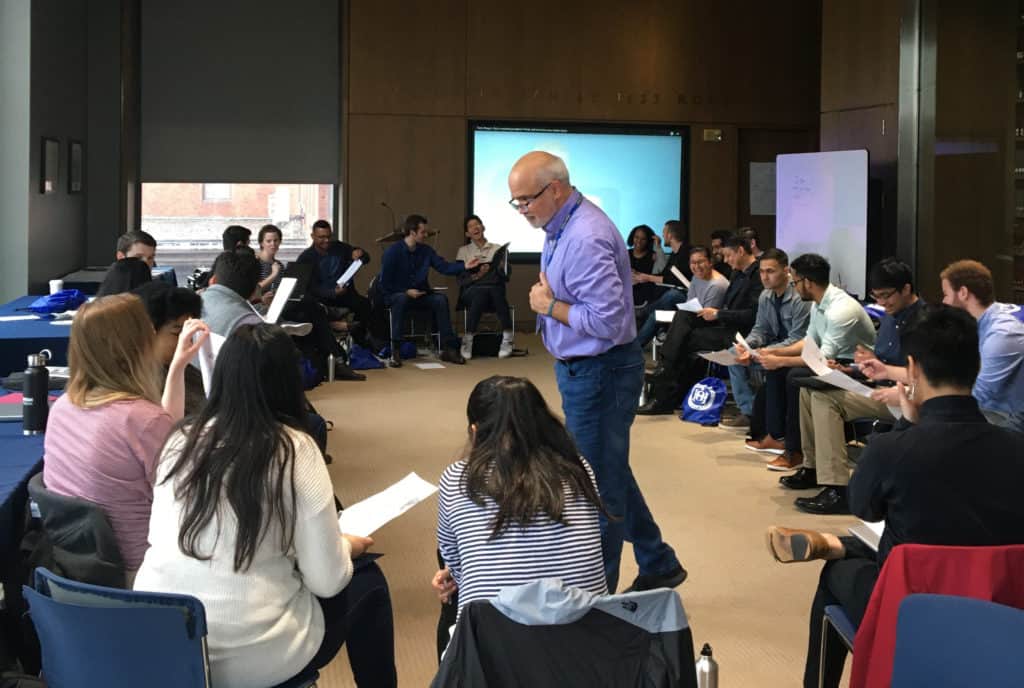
<point x="188" y="227"/>
<point x="216" y="192"/>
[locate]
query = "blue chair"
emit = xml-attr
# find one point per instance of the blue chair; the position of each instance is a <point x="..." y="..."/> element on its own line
<point x="835" y="626"/>
<point x="96" y="636"/>
<point x="942" y="640"/>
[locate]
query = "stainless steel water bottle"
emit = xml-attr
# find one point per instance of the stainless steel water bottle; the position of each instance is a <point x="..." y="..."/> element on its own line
<point x="707" y="669"/>
<point x="35" y="392"/>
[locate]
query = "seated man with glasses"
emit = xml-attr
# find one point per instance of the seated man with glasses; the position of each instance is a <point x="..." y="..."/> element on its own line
<point x="838" y="325"/>
<point x="824" y="412"/>
<point x="403" y="286"/>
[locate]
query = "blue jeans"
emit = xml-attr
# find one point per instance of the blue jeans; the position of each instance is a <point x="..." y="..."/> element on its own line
<point x="665" y="302"/>
<point x="400" y="302"/>
<point x="599" y="395"/>
<point x="742" y="392"/>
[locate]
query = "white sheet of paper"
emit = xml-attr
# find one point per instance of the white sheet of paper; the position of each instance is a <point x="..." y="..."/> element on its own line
<point x="813" y="357"/>
<point x="743" y="342"/>
<point x="817" y="362"/>
<point x="281" y="296"/>
<point x="350" y="273"/>
<point x="691" y="306"/>
<point x="667" y="285"/>
<point x="12" y="318"/>
<point x="429" y="366"/>
<point x="680" y="276"/>
<point x="868" y="532"/>
<point x="723" y="357"/>
<point x="61" y="322"/>
<point x="365" y="517"/>
<point x="207" y="358"/>
<point x="664" y="316"/>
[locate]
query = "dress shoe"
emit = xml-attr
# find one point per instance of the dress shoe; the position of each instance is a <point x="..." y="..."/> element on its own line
<point x="831" y="500"/>
<point x="343" y="372"/>
<point x="767" y="444"/>
<point x="787" y="462"/>
<point x="790" y="545"/>
<point x="737" y="420"/>
<point x="655" y="408"/>
<point x="452" y="356"/>
<point x="652" y="581"/>
<point x="803" y="479"/>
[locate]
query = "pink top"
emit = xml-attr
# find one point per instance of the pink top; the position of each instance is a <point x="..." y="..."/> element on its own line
<point x="108" y="455"/>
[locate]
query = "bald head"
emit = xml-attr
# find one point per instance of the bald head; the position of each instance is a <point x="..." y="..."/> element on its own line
<point x="539" y="184"/>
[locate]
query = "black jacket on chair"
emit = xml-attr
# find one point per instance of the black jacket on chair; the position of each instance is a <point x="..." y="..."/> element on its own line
<point x="544" y="634"/>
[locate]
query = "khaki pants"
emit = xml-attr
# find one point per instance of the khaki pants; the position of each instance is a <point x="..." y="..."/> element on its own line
<point x="822" y="414"/>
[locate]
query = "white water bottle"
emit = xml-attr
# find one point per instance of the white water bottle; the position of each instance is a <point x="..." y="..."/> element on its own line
<point x="707" y="669"/>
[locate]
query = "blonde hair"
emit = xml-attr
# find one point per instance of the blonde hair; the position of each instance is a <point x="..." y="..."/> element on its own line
<point x="111" y="353"/>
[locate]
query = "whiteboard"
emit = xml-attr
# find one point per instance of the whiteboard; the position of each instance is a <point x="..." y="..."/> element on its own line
<point x="821" y="205"/>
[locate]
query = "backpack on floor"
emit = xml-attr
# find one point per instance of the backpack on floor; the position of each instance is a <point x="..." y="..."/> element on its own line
<point x="703" y="403"/>
<point x="362" y="359"/>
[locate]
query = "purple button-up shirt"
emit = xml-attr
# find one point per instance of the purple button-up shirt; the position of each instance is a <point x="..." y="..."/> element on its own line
<point x="589" y="270"/>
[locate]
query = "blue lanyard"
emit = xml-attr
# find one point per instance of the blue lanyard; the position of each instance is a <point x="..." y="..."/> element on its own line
<point x="558" y="234"/>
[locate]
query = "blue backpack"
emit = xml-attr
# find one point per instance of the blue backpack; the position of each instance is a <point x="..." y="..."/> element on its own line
<point x="703" y="404"/>
<point x="362" y="359"/>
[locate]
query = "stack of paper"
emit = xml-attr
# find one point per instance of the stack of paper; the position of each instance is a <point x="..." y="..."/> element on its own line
<point x="691" y="306"/>
<point x="817" y="362"/>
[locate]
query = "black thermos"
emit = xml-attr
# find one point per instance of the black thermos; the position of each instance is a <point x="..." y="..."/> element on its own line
<point x="35" y="395"/>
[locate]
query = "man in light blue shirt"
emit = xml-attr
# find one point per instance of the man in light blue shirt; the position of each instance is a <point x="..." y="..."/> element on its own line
<point x="999" y="387"/>
<point x="584" y="304"/>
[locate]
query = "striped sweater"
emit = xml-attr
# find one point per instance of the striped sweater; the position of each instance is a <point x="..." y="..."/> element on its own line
<point x="481" y="566"/>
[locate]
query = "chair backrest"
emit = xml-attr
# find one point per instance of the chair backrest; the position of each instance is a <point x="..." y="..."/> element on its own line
<point x="995" y="574"/>
<point x="943" y="640"/>
<point x="96" y="636"/>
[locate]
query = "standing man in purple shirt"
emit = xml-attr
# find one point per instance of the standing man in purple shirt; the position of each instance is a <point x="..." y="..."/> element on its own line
<point x="584" y="302"/>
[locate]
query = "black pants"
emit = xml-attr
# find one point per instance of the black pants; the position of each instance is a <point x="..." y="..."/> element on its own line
<point x="683" y="368"/>
<point x="482" y="298"/>
<point x="360" y="617"/>
<point x="448" y="616"/>
<point x="847" y="582"/>
<point x="309" y="310"/>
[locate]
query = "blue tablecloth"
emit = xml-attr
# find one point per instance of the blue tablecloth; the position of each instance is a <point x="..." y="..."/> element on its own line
<point x="19" y="338"/>
<point x="20" y="458"/>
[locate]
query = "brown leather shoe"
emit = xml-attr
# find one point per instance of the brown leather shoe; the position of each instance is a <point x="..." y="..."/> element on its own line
<point x="787" y="462"/>
<point x="767" y="444"/>
<point x="790" y="545"/>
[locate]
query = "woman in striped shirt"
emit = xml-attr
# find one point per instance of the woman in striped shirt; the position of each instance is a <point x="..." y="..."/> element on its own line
<point x="522" y="506"/>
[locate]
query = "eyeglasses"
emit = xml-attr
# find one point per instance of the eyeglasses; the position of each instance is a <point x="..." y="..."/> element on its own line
<point x="797" y="281"/>
<point x="524" y="202"/>
<point x="883" y="295"/>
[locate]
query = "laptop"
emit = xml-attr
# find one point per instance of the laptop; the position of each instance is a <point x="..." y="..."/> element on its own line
<point x="302" y="272"/>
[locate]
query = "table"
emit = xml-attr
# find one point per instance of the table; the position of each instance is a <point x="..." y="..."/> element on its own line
<point x="20" y="458"/>
<point x="20" y="338"/>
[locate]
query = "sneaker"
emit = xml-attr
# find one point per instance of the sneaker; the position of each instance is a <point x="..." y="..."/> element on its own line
<point x="787" y="462"/>
<point x="737" y="420"/>
<point x="651" y="581"/>
<point x="767" y="445"/>
<point x="505" y="350"/>
<point x="467" y="346"/>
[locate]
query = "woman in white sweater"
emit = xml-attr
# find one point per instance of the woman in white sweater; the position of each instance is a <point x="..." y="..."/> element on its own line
<point x="243" y="519"/>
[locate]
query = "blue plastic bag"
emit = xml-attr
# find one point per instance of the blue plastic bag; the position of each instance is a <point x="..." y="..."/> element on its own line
<point x="65" y="300"/>
<point x="407" y="350"/>
<point x="704" y="402"/>
<point x="362" y="359"/>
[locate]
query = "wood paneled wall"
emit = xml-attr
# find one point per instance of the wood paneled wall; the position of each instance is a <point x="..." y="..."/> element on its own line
<point x="859" y="96"/>
<point x="417" y="72"/>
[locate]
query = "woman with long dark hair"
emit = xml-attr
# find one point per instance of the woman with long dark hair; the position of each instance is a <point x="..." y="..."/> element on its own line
<point x="522" y="505"/>
<point x="244" y="519"/>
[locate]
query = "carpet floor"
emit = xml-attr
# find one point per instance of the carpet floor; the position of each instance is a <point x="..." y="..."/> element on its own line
<point x="712" y="498"/>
